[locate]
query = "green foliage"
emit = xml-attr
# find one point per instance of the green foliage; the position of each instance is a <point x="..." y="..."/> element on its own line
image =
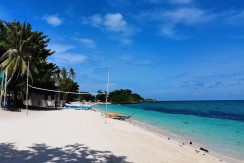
<point x="86" y="97"/>
<point x="19" y="44"/>
<point x="64" y="82"/>
<point x="18" y="38"/>
<point x="101" y="96"/>
<point x="3" y="44"/>
<point x="124" y="96"/>
<point x="72" y="74"/>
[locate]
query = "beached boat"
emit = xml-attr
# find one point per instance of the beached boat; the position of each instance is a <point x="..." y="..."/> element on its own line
<point x="78" y="105"/>
<point x="118" y="116"/>
<point x="123" y="117"/>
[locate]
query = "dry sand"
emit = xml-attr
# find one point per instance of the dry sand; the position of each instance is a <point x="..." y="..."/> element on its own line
<point x="83" y="136"/>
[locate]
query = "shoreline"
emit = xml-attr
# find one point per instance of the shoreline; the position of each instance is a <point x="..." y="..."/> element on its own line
<point x="181" y="140"/>
<point x="222" y="153"/>
<point x="48" y="134"/>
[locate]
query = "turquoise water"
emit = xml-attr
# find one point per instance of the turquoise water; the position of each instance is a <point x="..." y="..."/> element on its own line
<point x="218" y="125"/>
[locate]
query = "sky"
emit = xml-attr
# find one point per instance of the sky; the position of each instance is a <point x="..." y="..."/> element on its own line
<point x="162" y="49"/>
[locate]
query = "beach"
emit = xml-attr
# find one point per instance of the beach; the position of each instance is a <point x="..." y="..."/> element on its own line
<point x="83" y="136"/>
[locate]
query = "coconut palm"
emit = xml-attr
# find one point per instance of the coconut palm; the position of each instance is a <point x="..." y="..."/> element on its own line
<point x="72" y="74"/>
<point x="63" y="72"/>
<point x="14" y="61"/>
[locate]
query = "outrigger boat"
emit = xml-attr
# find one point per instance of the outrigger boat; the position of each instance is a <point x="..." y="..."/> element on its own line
<point x="78" y="106"/>
<point x="118" y="116"/>
<point x="123" y="117"/>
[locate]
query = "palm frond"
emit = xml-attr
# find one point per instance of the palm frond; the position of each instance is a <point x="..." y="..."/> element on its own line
<point x="23" y="68"/>
<point x="9" y="53"/>
<point x="12" y="64"/>
<point x="5" y="63"/>
<point x="14" y="68"/>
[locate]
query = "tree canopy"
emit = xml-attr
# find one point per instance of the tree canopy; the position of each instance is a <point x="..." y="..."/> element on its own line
<point x="124" y="96"/>
<point x="64" y="82"/>
<point x="19" y="44"/>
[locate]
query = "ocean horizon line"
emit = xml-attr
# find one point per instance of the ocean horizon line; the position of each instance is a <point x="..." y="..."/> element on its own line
<point x="193" y="100"/>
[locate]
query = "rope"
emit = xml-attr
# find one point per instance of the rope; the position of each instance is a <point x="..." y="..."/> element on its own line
<point x="61" y="91"/>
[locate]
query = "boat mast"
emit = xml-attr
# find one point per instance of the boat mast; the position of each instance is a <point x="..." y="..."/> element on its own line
<point x="107" y="98"/>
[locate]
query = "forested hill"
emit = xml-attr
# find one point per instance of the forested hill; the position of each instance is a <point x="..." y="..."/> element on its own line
<point x="124" y="96"/>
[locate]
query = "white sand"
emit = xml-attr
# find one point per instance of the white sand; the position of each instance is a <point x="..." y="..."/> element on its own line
<point x="83" y="136"/>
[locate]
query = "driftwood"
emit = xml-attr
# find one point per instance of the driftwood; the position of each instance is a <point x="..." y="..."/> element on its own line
<point x="205" y="150"/>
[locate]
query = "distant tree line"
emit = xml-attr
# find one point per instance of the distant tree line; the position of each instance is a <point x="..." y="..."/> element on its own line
<point x="124" y="96"/>
<point x="120" y="96"/>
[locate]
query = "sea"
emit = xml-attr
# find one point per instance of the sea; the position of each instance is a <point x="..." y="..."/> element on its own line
<point x="217" y="126"/>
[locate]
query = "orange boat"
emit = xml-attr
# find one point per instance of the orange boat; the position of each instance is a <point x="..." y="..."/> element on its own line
<point x="113" y="115"/>
<point x="118" y="116"/>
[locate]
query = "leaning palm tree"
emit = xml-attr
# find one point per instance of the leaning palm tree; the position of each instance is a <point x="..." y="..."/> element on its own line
<point x="15" y="60"/>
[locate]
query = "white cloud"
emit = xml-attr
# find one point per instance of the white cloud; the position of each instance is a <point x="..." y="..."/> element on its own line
<point x="53" y="20"/>
<point x="129" y="59"/>
<point x="170" y="32"/>
<point x="125" y="41"/>
<point x="67" y="58"/>
<point x="60" y="48"/>
<point x="95" y="20"/>
<point x="145" y="62"/>
<point x="171" y="19"/>
<point x="181" y="1"/>
<point x="187" y="16"/>
<point x="115" y="22"/>
<point x="126" y="58"/>
<point x="62" y="56"/>
<point x="237" y="18"/>
<point x="87" y="42"/>
<point x="154" y="1"/>
<point x="110" y="22"/>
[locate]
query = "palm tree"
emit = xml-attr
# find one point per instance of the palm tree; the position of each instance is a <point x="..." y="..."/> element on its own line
<point x="64" y="72"/>
<point x="14" y="61"/>
<point x="72" y="74"/>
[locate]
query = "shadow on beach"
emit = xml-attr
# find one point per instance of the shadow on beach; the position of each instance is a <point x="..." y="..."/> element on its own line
<point x="37" y="108"/>
<point x="34" y="108"/>
<point x="39" y="153"/>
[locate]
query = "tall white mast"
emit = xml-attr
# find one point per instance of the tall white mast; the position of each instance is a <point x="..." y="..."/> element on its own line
<point x="107" y="98"/>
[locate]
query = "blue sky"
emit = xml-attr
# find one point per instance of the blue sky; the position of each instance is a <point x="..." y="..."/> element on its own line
<point x="163" y="49"/>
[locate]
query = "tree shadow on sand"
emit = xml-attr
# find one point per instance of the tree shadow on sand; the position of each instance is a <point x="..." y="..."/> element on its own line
<point x="38" y="108"/>
<point x="40" y="153"/>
